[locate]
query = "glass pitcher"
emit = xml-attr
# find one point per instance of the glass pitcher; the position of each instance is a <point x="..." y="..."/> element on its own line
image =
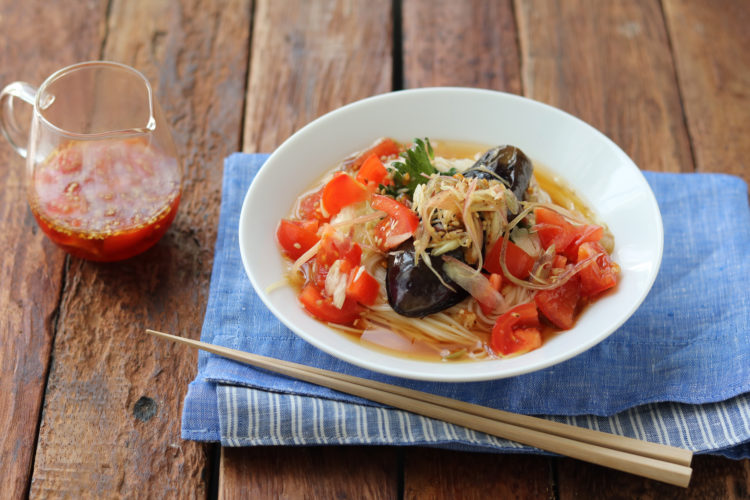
<point x="103" y="177"/>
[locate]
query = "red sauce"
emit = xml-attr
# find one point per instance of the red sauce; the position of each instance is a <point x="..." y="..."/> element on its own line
<point x="106" y="200"/>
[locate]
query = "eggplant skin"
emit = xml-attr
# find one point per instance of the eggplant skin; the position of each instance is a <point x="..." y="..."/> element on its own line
<point x="414" y="290"/>
<point x="507" y="162"/>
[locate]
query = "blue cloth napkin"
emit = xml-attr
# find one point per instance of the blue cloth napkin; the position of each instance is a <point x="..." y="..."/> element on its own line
<point x="678" y="372"/>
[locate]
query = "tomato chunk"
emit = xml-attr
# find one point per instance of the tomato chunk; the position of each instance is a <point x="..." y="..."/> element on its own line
<point x="560" y="261"/>
<point x="341" y="191"/>
<point x="373" y="173"/>
<point x="295" y="239"/>
<point x="559" y="305"/>
<point x="309" y="207"/>
<point x="517" y="331"/>
<point x="363" y="287"/>
<point x="384" y="148"/>
<point x="599" y="275"/>
<point x="334" y="247"/>
<point x="583" y="234"/>
<point x="400" y="224"/>
<point x="552" y="228"/>
<point x="518" y="262"/>
<point x="323" y="309"/>
<point x="70" y="160"/>
<point x="496" y="281"/>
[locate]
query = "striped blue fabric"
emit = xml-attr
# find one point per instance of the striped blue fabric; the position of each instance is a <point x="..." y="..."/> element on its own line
<point x="253" y="417"/>
<point x="677" y="373"/>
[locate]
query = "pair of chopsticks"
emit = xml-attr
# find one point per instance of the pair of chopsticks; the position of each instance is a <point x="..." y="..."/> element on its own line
<point x="652" y="460"/>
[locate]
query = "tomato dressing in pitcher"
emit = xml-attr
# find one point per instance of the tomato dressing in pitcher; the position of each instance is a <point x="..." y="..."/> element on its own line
<point x="106" y="200"/>
<point x="103" y="175"/>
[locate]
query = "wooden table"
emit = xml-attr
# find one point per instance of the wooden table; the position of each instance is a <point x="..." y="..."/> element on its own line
<point x="91" y="406"/>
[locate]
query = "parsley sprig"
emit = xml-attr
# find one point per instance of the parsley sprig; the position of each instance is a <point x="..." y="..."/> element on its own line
<point x="415" y="169"/>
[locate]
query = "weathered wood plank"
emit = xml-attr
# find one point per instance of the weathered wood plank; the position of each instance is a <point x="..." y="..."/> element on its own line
<point x="710" y="41"/>
<point x="309" y="58"/>
<point x="308" y="472"/>
<point x="608" y="63"/>
<point x="713" y="477"/>
<point x="469" y="43"/>
<point x="466" y="44"/>
<point x="438" y="474"/>
<point x="111" y="421"/>
<point x="32" y="268"/>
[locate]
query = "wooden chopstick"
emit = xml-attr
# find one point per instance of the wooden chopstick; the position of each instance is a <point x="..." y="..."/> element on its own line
<point x="652" y="460"/>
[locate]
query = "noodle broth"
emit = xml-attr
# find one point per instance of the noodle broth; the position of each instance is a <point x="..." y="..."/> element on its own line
<point x="459" y="333"/>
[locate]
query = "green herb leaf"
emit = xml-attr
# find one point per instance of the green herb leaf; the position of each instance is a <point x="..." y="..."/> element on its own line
<point x="416" y="167"/>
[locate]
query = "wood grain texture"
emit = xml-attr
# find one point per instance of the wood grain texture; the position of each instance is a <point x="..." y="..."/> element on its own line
<point x="710" y="40"/>
<point x="111" y="420"/>
<point x="309" y="58"/>
<point x="713" y="478"/>
<point x="468" y="43"/>
<point x="309" y="473"/>
<point x="31" y="272"/>
<point x="609" y="63"/>
<point x="440" y="474"/>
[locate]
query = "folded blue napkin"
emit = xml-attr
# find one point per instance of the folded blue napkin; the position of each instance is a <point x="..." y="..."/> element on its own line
<point x="677" y="372"/>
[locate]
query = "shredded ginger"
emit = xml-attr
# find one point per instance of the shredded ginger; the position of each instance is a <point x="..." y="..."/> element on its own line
<point x="455" y="212"/>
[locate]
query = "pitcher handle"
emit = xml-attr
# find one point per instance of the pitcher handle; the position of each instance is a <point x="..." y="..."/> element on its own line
<point x="17" y="137"/>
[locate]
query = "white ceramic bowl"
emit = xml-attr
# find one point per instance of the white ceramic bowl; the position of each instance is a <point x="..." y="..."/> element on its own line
<point x="599" y="171"/>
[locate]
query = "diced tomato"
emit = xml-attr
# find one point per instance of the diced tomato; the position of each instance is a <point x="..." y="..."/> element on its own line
<point x="526" y="339"/>
<point x="345" y="266"/>
<point x="518" y="262"/>
<point x="310" y="225"/>
<point x="601" y="274"/>
<point x="384" y="148"/>
<point x="295" y="239"/>
<point x="559" y="305"/>
<point x="363" y="287"/>
<point x="400" y="224"/>
<point x="517" y="331"/>
<point x="309" y="207"/>
<point x="334" y="248"/>
<point x="496" y="281"/>
<point x="395" y="209"/>
<point x="64" y="205"/>
<point x="342" y="191"/>
<point x="323" y="308"/>
<point x="319" y="275"/>
<point x="552" y="228"/>
<point x="353" y="254"/>
<point x="70" y="160"/>
<point x="583" y="234"/>
<point x="373" y="173"/>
